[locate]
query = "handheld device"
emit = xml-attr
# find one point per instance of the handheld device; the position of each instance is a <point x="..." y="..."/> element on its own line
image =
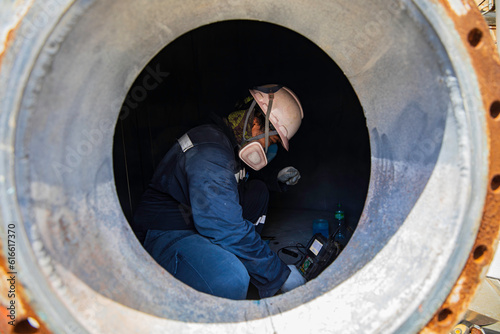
<point x="321" y="252"/>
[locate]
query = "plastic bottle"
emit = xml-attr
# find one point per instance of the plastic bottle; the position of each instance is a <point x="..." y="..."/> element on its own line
<point x="339" y="214"/>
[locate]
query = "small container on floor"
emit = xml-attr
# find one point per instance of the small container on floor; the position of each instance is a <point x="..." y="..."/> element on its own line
<point x="321" y="226"/>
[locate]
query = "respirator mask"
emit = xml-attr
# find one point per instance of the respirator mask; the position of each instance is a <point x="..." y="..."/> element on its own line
<point x="251" y="151"/>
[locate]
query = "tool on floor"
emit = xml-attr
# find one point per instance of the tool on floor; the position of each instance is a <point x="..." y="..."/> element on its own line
<point x="287" y="251"/>
<point x="321" y="252"/>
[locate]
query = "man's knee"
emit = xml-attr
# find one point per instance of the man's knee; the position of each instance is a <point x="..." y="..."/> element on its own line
<point x="234" y="283"/>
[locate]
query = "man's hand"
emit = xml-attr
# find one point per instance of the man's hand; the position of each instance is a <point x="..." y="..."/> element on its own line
<point x="289" y="175"/>
<point x="294" y="280"/>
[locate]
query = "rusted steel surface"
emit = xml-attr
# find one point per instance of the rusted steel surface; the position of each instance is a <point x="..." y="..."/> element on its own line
<point x="23" y="310"/>
<point x="8" y="38"/>
<point x="15" y="14"/>
<point x="482" y="50"/>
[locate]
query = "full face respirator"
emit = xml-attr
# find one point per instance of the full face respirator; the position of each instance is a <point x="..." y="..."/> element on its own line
<point x="251" y="152"/>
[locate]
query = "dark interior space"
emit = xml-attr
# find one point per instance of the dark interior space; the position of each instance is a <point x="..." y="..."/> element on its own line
<point x="209" y="70"/>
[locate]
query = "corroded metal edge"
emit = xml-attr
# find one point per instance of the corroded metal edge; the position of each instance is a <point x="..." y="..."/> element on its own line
<point x="23" y="308"/>
<point x="475" y="35"/>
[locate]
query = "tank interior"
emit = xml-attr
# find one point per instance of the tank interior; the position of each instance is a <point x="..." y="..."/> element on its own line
<point x="209" y="70"/>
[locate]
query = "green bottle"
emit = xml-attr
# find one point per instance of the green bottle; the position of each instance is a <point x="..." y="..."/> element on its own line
<point x="339" y="214"/>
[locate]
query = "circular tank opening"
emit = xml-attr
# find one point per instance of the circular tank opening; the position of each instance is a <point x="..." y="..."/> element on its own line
<point x="209" y="70"/>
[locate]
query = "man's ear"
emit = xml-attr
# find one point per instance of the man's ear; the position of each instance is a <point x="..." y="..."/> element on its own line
<point x="256" y="125"/>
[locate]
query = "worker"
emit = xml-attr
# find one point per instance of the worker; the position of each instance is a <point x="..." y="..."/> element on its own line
<point x="199" y="218"/>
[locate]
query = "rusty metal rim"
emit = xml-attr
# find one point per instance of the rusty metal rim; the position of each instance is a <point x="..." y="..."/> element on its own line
<point x="474" y="33"/>
<point x="24" y="309"/>
<point x="27" y="319"/>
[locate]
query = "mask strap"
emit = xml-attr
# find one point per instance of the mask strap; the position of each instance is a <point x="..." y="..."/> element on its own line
<point x="252" y="106"/>
<point x="271" y="133"/>
<point x="269" y="108"/>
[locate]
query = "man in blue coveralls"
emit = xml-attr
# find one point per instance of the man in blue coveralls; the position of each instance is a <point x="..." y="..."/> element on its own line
<point x="200" y="218"/>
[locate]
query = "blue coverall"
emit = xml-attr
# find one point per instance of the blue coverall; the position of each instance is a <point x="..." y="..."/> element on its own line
<point x="191" y="221"/>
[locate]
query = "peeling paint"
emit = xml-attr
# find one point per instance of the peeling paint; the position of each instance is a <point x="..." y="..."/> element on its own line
<point x="456" y="295"/>
<point x="11" y="14"/>
<point x="459" y="7"/>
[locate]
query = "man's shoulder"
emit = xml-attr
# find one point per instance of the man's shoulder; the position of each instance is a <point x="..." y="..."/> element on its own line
<point x="209" y="134"/>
